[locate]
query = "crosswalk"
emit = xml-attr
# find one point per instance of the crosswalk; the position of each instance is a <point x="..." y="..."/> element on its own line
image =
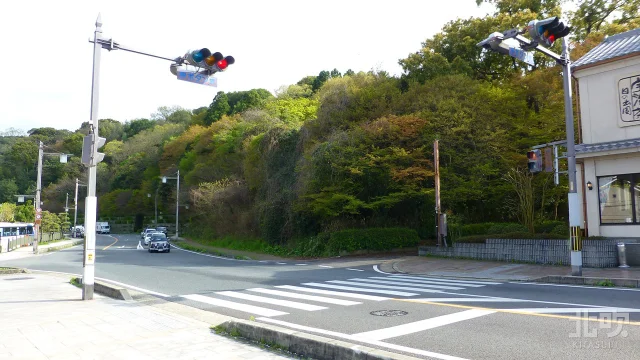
<point x="319" y="296"/>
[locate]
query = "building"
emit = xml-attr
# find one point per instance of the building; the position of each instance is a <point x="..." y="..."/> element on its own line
<point x="608" y="177"/>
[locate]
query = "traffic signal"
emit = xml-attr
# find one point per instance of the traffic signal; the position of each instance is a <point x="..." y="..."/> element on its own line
<point x="204" y="58"/>
<point x="535" y="161"/>
<point x="546" y="31"/>
<point x="197" y="57"/>
<point x="87" y="143"/>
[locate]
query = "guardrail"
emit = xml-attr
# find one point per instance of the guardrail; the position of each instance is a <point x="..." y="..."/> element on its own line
<point x="19" y="242"/>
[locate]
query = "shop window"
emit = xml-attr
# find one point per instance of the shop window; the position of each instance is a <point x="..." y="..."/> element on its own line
<point x="619" y="199"/>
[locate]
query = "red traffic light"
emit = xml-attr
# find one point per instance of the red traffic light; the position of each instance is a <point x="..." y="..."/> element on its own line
<point x="531" y="155"/>
<point x="224" y="63"/>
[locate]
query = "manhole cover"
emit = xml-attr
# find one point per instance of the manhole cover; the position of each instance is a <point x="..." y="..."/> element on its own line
<point x="388" y="313"/>
<point x="20" y="278"/>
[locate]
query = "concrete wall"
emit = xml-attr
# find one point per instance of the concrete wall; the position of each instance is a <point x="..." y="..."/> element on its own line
<point x="595" y="253"/>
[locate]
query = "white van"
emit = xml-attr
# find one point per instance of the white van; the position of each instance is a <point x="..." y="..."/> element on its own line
<point x="103" y="228"/>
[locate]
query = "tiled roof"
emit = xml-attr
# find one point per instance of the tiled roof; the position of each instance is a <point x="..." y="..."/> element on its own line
<point x="606" y="146"/>
<point x="612" y="47"/>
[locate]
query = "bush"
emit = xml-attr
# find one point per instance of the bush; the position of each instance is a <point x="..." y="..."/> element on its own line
<point x="371" y="239"/>
<point x="547" y="226"/>
<point x="562" y="229"/>
<point x="506" y="228"/>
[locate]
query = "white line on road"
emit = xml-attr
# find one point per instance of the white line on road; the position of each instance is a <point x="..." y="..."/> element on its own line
<point x="207" y="255"/>
<point x="335" y="293"/>
<point x="134" y="287"/>
<point x="575" y="310"/>
<point x="422" y="325"/>
<point x="325" y="266"/>
<point x="302" y="264"/>
<point x="376" y="269"/>
<point x="470" y="300"/>
<point x="234" y="305"/>
<point x="443" y="282"/>
<point x="266" y="300"/>
<point x="306" y="297"/>
<point x="280" y="263"/>
<point x="446" y="280"/>
<point x="351" y="288"/>
<point x="574" y="286"/>
<point x="410" y="284"/>
<point x="383" y="286"/>
<point x="355" y="269"/>
<point x="366" y="341"/>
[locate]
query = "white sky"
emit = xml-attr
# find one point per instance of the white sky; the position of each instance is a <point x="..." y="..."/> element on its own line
<point x="47" y="59"/>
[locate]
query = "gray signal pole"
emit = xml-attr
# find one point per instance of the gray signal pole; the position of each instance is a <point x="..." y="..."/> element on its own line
<point x="38" y="190"/>
<point x="91" y="203"/>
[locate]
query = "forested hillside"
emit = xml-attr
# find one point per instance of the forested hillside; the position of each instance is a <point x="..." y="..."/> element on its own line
<point x="341" y="150"/>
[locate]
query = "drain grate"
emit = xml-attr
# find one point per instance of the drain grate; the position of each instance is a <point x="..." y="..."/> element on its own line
<point x="21" y="278"/>
<point x="388" y="313"/>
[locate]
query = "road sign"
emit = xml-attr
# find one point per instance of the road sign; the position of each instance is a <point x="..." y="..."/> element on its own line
<point x="521" y="55"/>
<point x="197" y="78"/>
<point x="38" y="216"/>
<point x="38" y="210"/>
<point x="38" y="221"/>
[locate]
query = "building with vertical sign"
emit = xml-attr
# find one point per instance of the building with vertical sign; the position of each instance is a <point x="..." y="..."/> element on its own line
<point x="608" y="155"/>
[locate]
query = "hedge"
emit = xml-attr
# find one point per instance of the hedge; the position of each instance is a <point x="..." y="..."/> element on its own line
<point x="371" y="239"/>
<point x="514" y="235"/>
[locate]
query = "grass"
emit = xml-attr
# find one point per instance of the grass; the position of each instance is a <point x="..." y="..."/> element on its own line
<point x="276" y="348"/>
<point x="605" y="283"/>
<point x="76" y="282"/>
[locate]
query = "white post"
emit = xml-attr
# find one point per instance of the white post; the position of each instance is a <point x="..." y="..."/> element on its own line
<point x="38" y="190"/>
<point x="75" y="206"/>
<point x="91" y="204"/>
<point x="177" y="203"/>
<point x="574" y="201"/>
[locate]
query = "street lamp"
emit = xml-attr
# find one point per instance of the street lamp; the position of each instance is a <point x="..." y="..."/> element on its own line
<point x="155" y="204"/>
<point x="164" y="181"/>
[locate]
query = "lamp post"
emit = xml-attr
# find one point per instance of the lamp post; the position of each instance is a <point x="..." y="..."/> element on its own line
<point x="155" y="207"/>
<point x="164" y="181"/>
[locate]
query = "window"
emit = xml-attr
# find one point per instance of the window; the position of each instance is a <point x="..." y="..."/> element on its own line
<point x="619" y="199"/>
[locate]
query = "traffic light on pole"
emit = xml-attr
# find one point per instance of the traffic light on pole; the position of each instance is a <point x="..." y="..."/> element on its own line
<point x="546" y="31"/>
<point x="197" y="57"/>
<point x="534" y="161"/>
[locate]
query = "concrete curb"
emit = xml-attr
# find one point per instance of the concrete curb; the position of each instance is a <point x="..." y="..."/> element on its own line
<point x="307" y="345"/>
<point x="12" y="271"/>
<point x="42" y="250"/>
<point x="581" y="280"/>
<point x="109" y="290"/>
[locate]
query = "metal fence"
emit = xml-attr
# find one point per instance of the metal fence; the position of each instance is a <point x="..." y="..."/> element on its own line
<point x="19" y="242"/>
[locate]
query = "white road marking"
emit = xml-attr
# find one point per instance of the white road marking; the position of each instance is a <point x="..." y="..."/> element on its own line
<point x="366" y="341"/>
<point x="264" y="261"/>
<point x="575" y="310"/>
<point x="336" y="293"/>
<point x="574" y="286"/>
<point x="447" y="280"/>
<point x="425" y="281"/>
<point x="306" y="297"/>
<point x="422" y="325"/>
<point x="383" y="286"/>
<point x="266" y="300"/>
<point x="337" y="287"/>
<point x="207" y="255"/>
<point x="519" y="300"/>
<point x="376" y="269"/>
<point x="302" y="264"/>
<point x="410" y="284"/>
<point x="234" y="305"/>
<point x="354" y="269"/>
<point x="471" y="300"/>
<point x="325" y="266"/>
<point x="280" y="263"/>
<point x="134" y="287"/>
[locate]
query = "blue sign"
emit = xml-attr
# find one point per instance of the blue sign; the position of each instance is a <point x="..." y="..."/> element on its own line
<point x="521" y="55"/>
<point x="197" y="78"/>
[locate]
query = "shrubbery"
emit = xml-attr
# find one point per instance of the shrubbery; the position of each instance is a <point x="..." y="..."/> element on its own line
<point x="514" y="235"/>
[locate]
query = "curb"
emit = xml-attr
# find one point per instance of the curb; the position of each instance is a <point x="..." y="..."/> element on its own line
<point x="10" y="271"/>
<point x="108" y="290"/>
<point x="59" y="247"/>
<point x="307" y="345"/>
<point x="581" y="280"/>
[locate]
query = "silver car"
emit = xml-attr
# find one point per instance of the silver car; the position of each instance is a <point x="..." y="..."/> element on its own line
<point x="159" y="242"/>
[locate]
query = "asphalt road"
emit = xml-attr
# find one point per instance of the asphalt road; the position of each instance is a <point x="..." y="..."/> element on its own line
<point x="350" y="299"/>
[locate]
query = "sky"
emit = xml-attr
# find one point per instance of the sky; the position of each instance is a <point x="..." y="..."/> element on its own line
<point x="47" y="58"/>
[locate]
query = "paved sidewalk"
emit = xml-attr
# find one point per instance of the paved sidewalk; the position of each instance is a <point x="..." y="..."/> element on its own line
<point x="42" y="317"/>
<point x="27" y="251"/>
<point x="424" y="265"/>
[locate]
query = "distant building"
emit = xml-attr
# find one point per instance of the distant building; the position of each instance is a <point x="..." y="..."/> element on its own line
<point x="608" y="158"/>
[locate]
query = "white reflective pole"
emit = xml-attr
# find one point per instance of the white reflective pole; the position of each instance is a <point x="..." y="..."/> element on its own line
<point x="177" y="204"/>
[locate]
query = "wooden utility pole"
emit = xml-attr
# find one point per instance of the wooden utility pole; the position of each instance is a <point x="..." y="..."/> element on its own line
<point x="436" y="165"/>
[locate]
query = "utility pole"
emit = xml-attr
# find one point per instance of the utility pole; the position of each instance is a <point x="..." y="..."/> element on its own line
<point x="156" y="205"/>
<point x="66" y="203"/>
<point x="574" y="202"/>
<point x="75" y="207"/>
<point x="91" y="203"/>
<point x="38" y="190"/>
<point x="177" y="203"/>
<point x="436" y="162"/>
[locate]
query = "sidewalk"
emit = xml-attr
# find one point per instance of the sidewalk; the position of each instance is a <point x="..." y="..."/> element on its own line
<point x="44" y="318"/>
<point x="27" y="251"/>
<point x="423" y="265"/>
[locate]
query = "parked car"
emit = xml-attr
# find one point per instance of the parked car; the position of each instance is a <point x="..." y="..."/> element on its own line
<point x="162" y="229"/>
<point x="77" y="231"/>
<point x="102" y="227"/>
<point x="159" y="242"/>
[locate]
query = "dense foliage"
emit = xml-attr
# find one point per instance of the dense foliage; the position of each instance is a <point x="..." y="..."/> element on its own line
<point x="336" y="151"/>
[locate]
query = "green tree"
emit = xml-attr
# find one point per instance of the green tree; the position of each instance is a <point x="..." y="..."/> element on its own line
<point x="218" y="108"/>
<point x="7" y="212"/>
<point x="133" y="127"/>
<point x="25" y="213"/>
<point x="8" y="189"/>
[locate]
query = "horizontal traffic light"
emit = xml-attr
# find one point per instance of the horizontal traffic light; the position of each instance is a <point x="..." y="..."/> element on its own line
<point x="547" y="31"/>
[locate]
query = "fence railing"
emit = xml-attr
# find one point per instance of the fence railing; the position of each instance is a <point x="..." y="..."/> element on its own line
<point x="19" y="242"/>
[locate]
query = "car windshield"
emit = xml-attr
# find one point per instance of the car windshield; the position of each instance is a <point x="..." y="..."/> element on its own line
<point x="158" y="238"/>
<point x="149" y="231"/>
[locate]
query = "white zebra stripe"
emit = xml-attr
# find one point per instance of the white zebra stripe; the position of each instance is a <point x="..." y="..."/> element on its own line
<point x="384" y="286"/>
<point x="351" y="288"/>
<point x="266" y="300"/>
<point x="305" y="297"/>
<point x="408" y="284"/>
<point x="256" y="310"/>
<point x="335" y="293"/>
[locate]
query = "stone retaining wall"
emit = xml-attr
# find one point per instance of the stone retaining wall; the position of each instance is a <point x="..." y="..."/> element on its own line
<point x="595" y="253"/>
